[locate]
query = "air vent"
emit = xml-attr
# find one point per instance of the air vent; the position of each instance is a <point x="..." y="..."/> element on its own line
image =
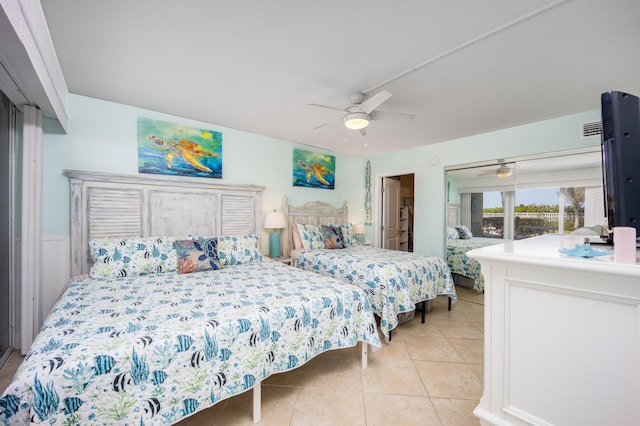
<point x="592" y="128"/>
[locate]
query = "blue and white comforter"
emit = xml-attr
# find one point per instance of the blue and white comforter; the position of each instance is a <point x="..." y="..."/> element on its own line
<point x="154" y="349"/>
<point x="394" y="280"/>
<point x="460" y="264"/>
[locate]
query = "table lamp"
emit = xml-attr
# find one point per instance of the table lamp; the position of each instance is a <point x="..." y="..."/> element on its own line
<point x="358" y="230"/>
<point x="276" y="221"/>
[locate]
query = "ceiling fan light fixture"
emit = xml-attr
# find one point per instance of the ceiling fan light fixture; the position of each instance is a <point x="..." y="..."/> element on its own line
<point x="503" y="172"/>
<point x="356" y="120"/>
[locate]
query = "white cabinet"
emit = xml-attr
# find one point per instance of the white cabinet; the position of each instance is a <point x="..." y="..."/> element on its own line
<point x="562" y="336"/>
<point x="403" y="237"/>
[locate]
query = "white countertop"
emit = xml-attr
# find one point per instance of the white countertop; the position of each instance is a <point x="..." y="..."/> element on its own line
<point x="543" y="250"/>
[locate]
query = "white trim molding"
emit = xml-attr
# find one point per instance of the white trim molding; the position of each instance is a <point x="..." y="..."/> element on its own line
<point x="31" y="259"/>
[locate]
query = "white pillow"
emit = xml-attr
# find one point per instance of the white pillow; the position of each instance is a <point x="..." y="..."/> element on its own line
<point x="311" y="236"/>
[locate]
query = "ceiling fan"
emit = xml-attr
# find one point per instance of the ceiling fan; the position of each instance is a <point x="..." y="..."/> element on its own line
<point x="361" y="111"/>
<point x="502" y="171"/>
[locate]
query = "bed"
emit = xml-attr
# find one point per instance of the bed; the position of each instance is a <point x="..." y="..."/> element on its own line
<point x="460" y="263"/>
<point x="132" y="346"/>
<point x="395" y="281"/>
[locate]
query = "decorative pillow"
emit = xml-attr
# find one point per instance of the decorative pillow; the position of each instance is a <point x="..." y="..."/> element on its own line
<point x="311" y="236"/>
<point x="114" y="257"/>
<point x="237" y="249"/>
<point x="332" y="237"/>
<point x="452" y="233"/>
<point x="349" y="237"/>
<point x="464" y="232"/>
<point x="197" y="255"/>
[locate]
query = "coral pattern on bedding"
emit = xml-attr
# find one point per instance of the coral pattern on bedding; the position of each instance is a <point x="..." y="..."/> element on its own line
<point x="394" y="280"/>
<point x="155" y="349"/>
<point x="460" y="264"/>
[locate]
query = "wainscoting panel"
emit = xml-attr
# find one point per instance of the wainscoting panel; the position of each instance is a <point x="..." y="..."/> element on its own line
<point x="55" y="271"/>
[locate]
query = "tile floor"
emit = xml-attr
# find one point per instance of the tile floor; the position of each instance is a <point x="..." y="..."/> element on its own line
<point x="430" y="374"/>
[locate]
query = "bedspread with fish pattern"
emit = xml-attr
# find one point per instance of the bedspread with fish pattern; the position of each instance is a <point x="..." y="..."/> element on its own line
<point x="461" y="264"/>
<point x="156" y="349"/>
<point x="394" y="280"/>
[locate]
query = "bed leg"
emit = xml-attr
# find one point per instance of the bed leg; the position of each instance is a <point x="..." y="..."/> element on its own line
<point x="365" y="354"/>
<point x="424" y="309"/>
<point x="449" y="303"/>
<point x="257" y="397"/>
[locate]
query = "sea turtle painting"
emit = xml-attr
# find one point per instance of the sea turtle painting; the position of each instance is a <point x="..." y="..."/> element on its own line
<point x="185" y="149"/>
<point x="178" y="150"/>
<point x="317" y="170"/>
<point x="313" y="169"/>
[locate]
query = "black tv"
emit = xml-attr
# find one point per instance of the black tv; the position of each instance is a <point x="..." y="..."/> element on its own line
<point x="620" y="148"/>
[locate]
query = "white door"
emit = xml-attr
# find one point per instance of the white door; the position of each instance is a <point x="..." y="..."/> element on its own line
<point x="390" y="213"/>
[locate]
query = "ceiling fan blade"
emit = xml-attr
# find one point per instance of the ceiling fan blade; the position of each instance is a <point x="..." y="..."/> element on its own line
<point x="374" y="101"/>
<point x="327" y="123"/>
<point x="487" y="173"/>
<point x="386" y="115"/>
<point x="326" y="106"/>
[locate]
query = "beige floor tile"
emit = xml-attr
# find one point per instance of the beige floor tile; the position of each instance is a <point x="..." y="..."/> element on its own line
<point x="449" y="380"/>
<point x="396" y="349"/>
<point x="471" y="350"/>
<point x="458" y="412"/>
<point x="479" y="370"/>
<point x="332" y="373"/>
<point x="383" y="410"/>
<point x="320" y="407"/>
<point x="414" y="329"/>
<point x="392" y="376"/>
<point x="433" y="349"/>
<point x="457" y="329"/>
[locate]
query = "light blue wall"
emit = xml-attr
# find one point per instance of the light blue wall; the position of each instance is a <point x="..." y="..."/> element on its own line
<point x="430" y="197"/>
<point x="102" y="136"/>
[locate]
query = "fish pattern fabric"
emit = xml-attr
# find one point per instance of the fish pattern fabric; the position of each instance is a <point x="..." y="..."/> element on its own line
<point x="155" y="349"/>
<point x="461" y="264"/>
<point x="394" y="280"/>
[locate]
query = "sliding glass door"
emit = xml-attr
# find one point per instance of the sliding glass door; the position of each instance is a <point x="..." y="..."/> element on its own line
<point x="6" y="236"/>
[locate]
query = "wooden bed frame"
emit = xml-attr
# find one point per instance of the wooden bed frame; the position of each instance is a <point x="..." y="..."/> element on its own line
<point x="312" y="213"/>
<point x="105" y="205"/>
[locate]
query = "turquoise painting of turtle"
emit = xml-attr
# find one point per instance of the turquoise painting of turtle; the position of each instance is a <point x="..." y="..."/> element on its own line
<point x="178" y="150"/>
<point x="313" y="170"/>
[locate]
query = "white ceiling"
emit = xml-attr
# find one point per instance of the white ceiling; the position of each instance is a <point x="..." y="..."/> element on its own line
<point x="463" y="67"/>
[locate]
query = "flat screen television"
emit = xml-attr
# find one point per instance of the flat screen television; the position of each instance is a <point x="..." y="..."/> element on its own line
<point x="621" y="159"/>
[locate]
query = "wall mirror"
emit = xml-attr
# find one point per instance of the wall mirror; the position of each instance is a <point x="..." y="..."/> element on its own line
<point x="516" y="198"/>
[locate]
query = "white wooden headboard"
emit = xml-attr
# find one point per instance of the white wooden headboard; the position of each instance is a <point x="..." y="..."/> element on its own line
<point x="313" y="213"/>
<point x="110" y="205"/>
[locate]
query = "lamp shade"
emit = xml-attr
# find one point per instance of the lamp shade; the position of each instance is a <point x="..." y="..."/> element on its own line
<point x="358" y="228"/>
<point x="275" y="220"/>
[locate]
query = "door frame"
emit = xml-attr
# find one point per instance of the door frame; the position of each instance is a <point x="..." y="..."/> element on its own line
<point x="377" y="201"/>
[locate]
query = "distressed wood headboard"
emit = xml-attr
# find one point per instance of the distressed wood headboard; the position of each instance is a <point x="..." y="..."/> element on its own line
<point x="107" y="205"/>
<point x="313" y="213"/>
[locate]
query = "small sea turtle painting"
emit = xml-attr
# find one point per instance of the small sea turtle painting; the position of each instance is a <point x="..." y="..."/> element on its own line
<point x="313" y="170"/>
<point x="167" y="148"/>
